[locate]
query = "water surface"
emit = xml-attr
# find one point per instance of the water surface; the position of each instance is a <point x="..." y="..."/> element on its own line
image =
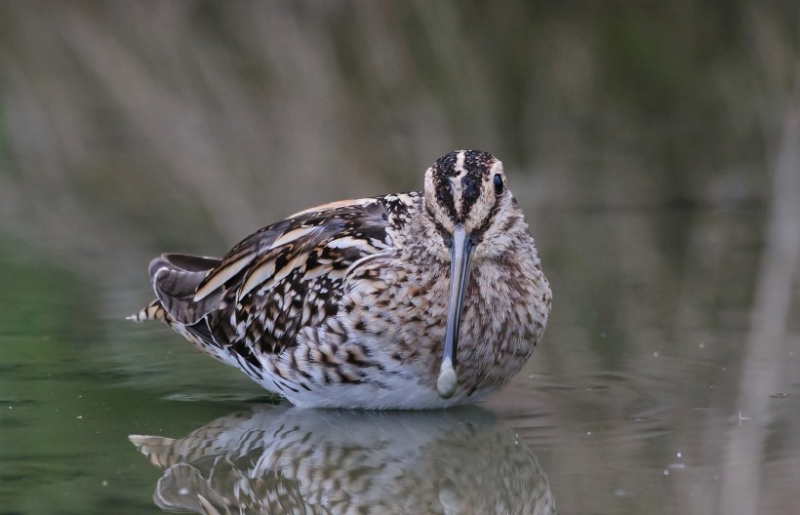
<point x="630" y="404"/>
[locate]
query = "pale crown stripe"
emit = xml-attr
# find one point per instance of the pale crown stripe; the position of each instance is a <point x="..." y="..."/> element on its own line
<point x="459" y="167"/>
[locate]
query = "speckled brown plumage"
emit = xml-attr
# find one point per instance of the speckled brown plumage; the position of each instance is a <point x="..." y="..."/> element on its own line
<point x="346" y="304"/>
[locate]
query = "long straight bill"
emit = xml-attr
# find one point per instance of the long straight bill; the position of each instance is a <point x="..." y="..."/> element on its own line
<point x="460" y="254"/>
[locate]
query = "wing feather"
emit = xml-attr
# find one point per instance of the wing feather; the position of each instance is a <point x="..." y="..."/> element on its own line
<point x="303" y="231"/>
<point x="282" y="278"/>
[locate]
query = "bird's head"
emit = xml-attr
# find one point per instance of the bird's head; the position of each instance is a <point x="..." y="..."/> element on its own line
<point x="473" y="211"/>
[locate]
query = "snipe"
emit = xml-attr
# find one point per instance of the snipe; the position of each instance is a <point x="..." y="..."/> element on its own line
<point x="364" y="303"/>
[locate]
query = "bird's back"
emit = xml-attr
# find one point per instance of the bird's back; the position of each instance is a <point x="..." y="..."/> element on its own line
<point x="283" y="279"/>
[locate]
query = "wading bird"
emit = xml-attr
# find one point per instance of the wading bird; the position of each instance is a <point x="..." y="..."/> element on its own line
<point x="404" y="301"/>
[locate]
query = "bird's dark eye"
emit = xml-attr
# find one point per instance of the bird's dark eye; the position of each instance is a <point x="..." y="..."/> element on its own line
<point x="498" y="185"/>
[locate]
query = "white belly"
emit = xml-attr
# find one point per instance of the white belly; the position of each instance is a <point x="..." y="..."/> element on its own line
<point x="395" y="392"/>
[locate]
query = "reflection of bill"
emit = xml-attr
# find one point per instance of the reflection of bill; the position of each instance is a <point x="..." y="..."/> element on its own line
<point x="288" y="460"/>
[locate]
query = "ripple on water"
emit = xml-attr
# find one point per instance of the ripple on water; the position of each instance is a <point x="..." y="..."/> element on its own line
<point x="545" y="408"/>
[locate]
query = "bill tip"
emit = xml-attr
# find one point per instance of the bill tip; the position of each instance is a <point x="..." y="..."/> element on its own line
<point x="447" y="382"/>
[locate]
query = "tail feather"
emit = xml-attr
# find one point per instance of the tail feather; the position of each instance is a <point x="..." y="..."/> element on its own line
<point x="153" y="311"/>
<point x="175" y="279"/>
<point x="184" y="263"/>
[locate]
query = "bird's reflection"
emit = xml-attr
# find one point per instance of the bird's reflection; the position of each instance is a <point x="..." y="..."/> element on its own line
<point x="288" y="460"/>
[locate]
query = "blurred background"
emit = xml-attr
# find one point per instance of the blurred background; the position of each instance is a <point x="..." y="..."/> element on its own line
<point x="654" y="148"/>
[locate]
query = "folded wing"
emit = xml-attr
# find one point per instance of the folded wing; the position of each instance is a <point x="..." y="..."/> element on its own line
<point x="275" y="282"/>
